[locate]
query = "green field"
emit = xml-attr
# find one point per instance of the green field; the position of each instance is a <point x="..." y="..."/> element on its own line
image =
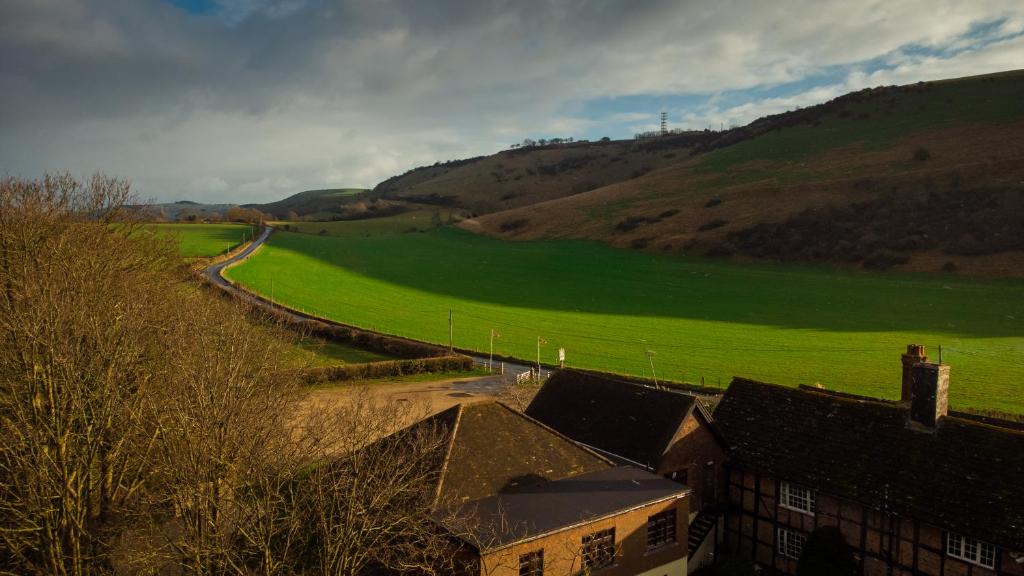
<point x="204" y="240"/>
<point x="607" y="307"/>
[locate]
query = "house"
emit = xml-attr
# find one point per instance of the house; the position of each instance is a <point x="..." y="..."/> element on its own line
<point x="522" y="499"/>
<point x="666" y="431"/>
<point x="912" y="486"/>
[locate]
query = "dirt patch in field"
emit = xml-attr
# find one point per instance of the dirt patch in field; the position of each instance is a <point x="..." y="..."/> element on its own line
<point x="430" y="397"/>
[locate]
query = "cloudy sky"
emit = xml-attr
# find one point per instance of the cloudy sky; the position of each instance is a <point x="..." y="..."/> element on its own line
<point x="251" y="100"/>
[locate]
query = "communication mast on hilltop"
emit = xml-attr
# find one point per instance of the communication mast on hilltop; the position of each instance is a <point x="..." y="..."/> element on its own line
<point x="664" y="123"/>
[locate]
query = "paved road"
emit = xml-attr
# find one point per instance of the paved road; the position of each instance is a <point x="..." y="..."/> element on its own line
<point x="214" y="273"/>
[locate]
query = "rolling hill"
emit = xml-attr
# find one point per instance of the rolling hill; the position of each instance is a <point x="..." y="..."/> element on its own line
<point x="923" y="177"/>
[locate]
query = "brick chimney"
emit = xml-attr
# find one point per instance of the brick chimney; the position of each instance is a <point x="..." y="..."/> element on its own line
<point x="914" y="355"/>
<point x="929" y="394"/>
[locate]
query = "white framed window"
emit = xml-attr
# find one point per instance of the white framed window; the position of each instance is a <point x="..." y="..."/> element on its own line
<point x="790" y="544"/>
<point x="599" y="549"/>
<point x="531" y="563"/>
<point x="970" y="550"/>
<point x="796" y="498"/>
<point x="661" y="529"/>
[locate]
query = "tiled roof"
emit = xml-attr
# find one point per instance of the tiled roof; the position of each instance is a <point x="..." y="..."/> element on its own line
<point x="965" y="475"/>
<point x="491" y="449"/>
<point x="613" y="415"/>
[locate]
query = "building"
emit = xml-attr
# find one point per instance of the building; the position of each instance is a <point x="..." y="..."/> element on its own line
<point x="521" y="499"/>
<point x="666" y="431"/>
<point x="912" y="486"/>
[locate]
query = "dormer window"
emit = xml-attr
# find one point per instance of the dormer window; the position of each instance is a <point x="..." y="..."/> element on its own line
<point x="970" y="550"/>
<point x="797" y="498"/>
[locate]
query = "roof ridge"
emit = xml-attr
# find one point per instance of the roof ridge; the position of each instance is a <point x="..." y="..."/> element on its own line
<point x="808" y="391"/>
<point x="447" y="453"/>
<point x="544" y="426"/>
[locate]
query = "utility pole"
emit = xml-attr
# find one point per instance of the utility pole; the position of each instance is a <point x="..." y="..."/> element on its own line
<point x="271" y="291"/>
<point x="490" y="358"/>
<point x="450" y="332"/>
<point x="539" y="342"/>
<point x="650" y="358"/>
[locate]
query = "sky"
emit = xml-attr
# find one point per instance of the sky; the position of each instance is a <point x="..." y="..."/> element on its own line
<point x="252" y="100"/>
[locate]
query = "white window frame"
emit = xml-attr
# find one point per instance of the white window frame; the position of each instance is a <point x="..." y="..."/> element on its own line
<point x="792" y="496"/>
<point x="971" y="550"/>
<point x="790" y="543"/>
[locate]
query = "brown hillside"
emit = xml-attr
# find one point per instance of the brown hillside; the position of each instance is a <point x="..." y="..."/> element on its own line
<point x="522" y="177"/>
<point x="926" y="177"/>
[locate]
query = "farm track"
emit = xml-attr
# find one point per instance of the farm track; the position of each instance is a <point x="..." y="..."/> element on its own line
<point x="214" y="273"/>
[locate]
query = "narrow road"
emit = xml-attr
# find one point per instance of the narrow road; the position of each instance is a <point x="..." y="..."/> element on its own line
<point x="215" y="274"/>
<point x="214" y="271"/>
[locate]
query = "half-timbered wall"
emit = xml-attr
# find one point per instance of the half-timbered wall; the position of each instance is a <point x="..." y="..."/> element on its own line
<point x="884" y="543"/>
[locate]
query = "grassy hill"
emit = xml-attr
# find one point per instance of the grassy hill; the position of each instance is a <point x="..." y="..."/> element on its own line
<point x="312" y="204"/>
<point x="938" y="167"/>
<point x="703" y="318"/>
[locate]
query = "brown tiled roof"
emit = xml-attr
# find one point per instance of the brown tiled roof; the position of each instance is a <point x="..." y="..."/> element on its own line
<point x="613" y="415"/>
<point x="491" y="449"/>
<point x="557" y="505"/>
<point x="965" y="475"/>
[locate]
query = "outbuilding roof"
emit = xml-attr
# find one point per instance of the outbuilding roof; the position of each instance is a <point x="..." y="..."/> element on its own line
<point x="552" y="506"/>
<point x="613" y="415"/>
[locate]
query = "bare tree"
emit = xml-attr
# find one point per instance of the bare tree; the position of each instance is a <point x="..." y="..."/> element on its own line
<point x="146" y="426"/>
<point x="80" y="298"/>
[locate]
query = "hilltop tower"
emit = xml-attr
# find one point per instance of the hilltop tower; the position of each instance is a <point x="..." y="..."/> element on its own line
<point x="664" y="123"/>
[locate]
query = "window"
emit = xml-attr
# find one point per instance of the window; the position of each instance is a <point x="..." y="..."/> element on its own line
<point x="680" y="476"/>
<point x="531" y="563"/>
<point x="971" y="550"/>
<point x="599" y="549"/>
<point x="797" y="498"/>
<point x="791" y="544"/>
<point x="661" y="529"/>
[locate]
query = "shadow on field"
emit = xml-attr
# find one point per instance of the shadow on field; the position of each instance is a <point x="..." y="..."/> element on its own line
<point x="593" y="278"/>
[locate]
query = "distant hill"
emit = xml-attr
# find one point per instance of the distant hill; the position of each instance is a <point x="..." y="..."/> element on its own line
<point x="312" y="204"/>
<point x="928" y="176"/>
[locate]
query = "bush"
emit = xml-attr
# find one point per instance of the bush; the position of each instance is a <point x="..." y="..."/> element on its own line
<point x="949" y="266"/>
<point x="510" y="225"/>
<point x="922" y="155"/>
<point x="385" y="369"/>
<point x="716" y="223"/>
<point x="713" y="202"/>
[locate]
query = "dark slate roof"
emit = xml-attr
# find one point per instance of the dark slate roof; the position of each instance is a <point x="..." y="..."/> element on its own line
<point x="613" y="415"/>
<point x="490" y="449"/>
<point x="965" y="475"/>
<point x="515" y="516"/>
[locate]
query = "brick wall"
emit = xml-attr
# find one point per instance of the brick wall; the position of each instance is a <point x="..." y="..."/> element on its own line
<point x="693" y="446"/>
<point x="562" y="549"/>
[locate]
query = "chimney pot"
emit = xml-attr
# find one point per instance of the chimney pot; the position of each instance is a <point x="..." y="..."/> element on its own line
<point x="929" y="399"/>
<point x="914" y="355"/>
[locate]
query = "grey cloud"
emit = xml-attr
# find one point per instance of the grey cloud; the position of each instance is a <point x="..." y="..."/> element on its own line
<point x="305" y="93"/>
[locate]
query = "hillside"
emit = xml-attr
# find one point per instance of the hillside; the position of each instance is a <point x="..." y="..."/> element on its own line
<point x="927" y="177"/>
<point x="312" y="204"/>
<point x="527" y="176"/>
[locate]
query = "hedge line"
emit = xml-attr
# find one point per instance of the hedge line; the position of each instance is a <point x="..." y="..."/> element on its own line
<point x="385" y="369"/>
<point x="306" y="324"/>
